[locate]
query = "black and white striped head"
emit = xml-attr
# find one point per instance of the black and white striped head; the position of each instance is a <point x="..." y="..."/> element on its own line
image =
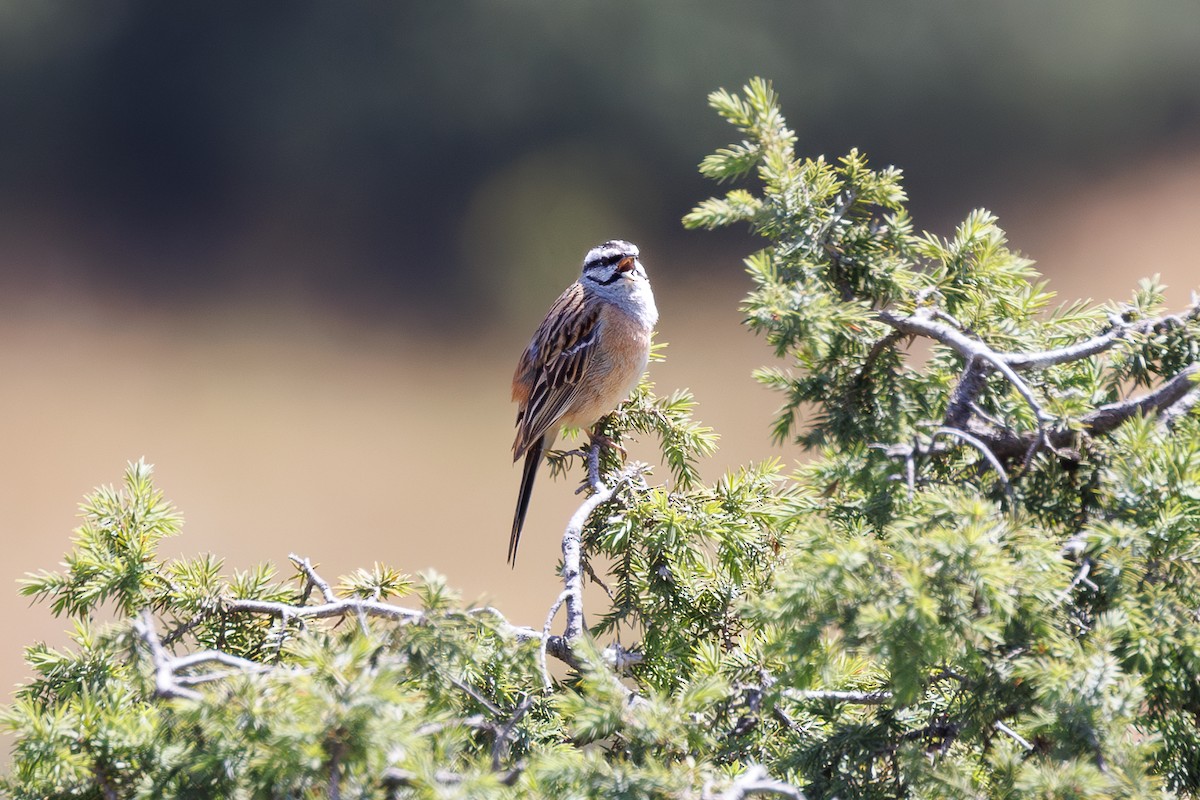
<point x="613" y="273"/>
<point x="612" y="262"/>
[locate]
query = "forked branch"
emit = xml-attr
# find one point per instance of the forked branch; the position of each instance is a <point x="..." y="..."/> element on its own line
<point x="998" y="443"/>
<point x="168" y="683"/>
<point x="571" y="597"/>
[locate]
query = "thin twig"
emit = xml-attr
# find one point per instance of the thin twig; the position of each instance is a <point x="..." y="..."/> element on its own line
<point x="1016" y="737"/>
<point x="1081" y="576"/>
<point x="1179" y="409"/>
<point x="594" y="578"/>
<point x="962" y="402"/>
<point x="305" y="566"/>
<point x="521" y="633"/>
<point x="856" y="698"/>
<point x="1173" y="399"/>
<point x="1107" y="417"/>
<point x="1005" y="443"/>
<point x="209" y="677"/>
<point x="338" y="608"/>
<point x="982" y="448"/>
<point x="1121" y="329"/>
<point x="919" y="323"/>
<point x="1036" y="443"/>
<point x="545" y="645"/>
<point x="873" y="355"/>
<point x="179" y="630"/>
<point x="756" y="780"/>
<point x="397" y="778"/>
<point x="500" y="746"/>
<point x="166" y="683"/>
<point x="476" y="696"/>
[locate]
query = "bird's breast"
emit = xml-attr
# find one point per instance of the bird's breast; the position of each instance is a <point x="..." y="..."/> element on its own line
<point x="618" y="364"/>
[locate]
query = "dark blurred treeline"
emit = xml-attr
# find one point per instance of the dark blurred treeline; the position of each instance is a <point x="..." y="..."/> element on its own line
<point x="405" y="154"/>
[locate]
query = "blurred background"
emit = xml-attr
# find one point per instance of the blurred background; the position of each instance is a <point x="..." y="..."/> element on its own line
<point x="290" y="252"/>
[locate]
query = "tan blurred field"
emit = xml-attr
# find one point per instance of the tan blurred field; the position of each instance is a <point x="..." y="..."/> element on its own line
<point x="277" y="428"/>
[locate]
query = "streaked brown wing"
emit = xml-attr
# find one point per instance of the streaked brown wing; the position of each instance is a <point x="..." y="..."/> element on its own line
<point x="552" y="367"/>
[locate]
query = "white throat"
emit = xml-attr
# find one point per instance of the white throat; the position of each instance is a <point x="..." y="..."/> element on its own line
<point x="634" y="298"/>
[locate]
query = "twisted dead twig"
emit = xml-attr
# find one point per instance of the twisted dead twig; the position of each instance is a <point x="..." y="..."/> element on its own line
<point x="572" y="542"/>
<point x="395" y="778"/>
<point x="981" y="359"/>
<point x="755" y="781"/>
<point x="556" y="646"/>
<point x="1179" y="409"/>
<point x="909" y="453"/>
<point x="1172" y="399"/>
<point x="167" y="682"/>
<point x="522" y="633"/>
<point x="171" y="685"/>
<point x="562" y="646"/>
<point x="1016" y="737"/>
<point x="1081" y="576"/>
<point x="986" y="451"/>
<point x="921" y="323"/>
<point x="1121" y="329"/>
<point x="1107" y="417"/>
<point x="338" y="608"/>
<point x="853" y="698"/>
<point x="305" y="566"/>
<point x="981" y="447"/>
<point x="572" y="572"/>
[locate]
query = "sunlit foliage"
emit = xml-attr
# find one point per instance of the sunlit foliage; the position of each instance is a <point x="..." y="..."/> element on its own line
<point x="984" y="584"/>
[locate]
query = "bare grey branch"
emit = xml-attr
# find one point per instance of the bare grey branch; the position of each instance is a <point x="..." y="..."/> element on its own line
<point x="757" y="781"/>
<point x="305" y="566"/>
<point x="1016" y="737"/>
<point x="1107" y="417"/>
<point x="982" y="447"/>
<point x="1121" y="329"/>
<point x="1180" y="409"/>
<point x="338" y="608"/>
<point x="856" y="698"/>
<point x="166" y="683"/>
<point x="920" y="323"/>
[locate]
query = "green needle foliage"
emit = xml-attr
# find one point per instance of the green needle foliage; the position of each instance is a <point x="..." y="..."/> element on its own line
<point x="984" y="583"/>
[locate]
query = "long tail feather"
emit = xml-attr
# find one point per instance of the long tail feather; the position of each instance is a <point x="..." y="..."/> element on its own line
<point x="533" y="457"/>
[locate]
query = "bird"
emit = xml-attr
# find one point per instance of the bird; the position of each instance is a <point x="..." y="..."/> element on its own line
<point x="583" y="360"/>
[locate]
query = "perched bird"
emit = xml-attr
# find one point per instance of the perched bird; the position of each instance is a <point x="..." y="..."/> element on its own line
<point x="584" y="359"/>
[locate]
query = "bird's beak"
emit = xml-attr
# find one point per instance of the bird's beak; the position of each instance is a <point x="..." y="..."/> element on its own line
<point x="626" y="264"/>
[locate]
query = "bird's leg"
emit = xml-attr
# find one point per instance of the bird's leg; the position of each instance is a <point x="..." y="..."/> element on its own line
<point x="598" y="439"/>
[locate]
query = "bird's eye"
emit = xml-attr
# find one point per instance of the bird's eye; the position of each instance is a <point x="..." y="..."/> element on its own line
<point x="625" y="264"/>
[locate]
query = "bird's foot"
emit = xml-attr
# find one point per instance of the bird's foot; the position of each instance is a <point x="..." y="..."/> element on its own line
<point x="600" y="440"/>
